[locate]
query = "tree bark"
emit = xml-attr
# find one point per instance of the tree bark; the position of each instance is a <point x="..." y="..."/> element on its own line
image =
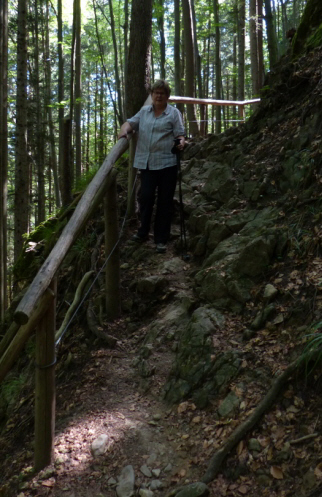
<point x="22" y="176"/>
<point x="218" y="66"/>
<point x="53" y="156"/>
<point x="177" y="52"/>
<point x="271" y="35"/>
<point x="138" y="78"/>
<point x="60" y="94"/>
<point x="190" y="65"/>
<point x="241" y="49"/>
<point x="3" y="153"/>
<point x="198" y="69"/>
<point x="78" y="89"/>
<point x="116" y="65"/>
<point x="160" y="21"/>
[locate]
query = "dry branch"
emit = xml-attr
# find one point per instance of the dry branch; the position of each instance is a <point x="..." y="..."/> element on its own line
<point x="240" y="432"/>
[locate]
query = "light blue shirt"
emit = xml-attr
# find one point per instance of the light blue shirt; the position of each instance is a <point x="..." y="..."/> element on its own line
<point x="156" y="136"/>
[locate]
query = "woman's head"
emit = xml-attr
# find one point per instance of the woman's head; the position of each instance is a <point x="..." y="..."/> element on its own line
<point x="160" y="85"/>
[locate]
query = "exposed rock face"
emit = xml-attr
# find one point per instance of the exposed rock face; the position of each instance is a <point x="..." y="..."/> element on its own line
<point x="197" y="363"/>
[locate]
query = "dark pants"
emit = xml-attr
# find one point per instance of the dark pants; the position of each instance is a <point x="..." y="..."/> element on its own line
<point x="164" y="182"/>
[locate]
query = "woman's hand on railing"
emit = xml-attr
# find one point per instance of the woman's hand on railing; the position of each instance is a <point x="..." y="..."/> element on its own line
<point x="125" y="130"/>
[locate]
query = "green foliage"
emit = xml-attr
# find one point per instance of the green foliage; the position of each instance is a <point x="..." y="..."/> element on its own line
<point x="11" y="388"/>
<point x="315" y="40"/>
<point x="314" y="344"/>
<point x="84" y="180"/>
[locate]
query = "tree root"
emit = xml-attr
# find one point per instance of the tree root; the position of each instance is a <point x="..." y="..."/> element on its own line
<point x="98" y="330"/>
<point x="78" y="297"/>
<point x="240" y="432"/>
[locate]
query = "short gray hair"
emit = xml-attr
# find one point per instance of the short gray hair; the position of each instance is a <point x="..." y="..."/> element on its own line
<point x="161" y="84"/>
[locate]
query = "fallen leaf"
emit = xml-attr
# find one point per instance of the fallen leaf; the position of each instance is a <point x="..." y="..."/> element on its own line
<point x="277" y="473"/>
<point x="243" y="489"/>
<point x="196" y="419"/>
<point x="49" y="483"/>
<point x="182" y="407"/>
<point x="182" y="473"/>
<point x="240" y="447"/>
<point x="318" y="471"/>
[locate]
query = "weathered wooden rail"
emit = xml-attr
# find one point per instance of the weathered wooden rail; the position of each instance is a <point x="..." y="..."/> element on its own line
<point x="210" y="101"/>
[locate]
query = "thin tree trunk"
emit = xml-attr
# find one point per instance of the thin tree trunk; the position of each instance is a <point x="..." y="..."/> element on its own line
<point x="241" y="49"/>
<point x="160" y="21"/>
<point x="190" y="65"/>
<point x="198" y="70"/>
<point x="126" y="50"/>
<point x="22" y="176"/>
<point x="101" y="123"/>
<point x="218" y="66"/>
<point x="271" y="35"/>
<point x="60" y="93"/>
<point x="88" y="124"/>
<point x="261" y="66"/>
<point x="116" y="65"/>
<point x="177" y="55"/>
<point x="53" y="156"/>
<point x="78" y="89"/>
<point x="40" y="146"/>
<point x="3" y="153"/>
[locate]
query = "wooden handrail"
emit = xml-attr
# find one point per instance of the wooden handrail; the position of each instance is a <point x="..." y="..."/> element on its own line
<point x="210" y="101"/>
<point x="91" y="198"/>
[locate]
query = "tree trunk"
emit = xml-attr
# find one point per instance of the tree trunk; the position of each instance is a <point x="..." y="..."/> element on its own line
<point x="116" y="65"/>
<point x="160" y="21"/>
<point x="78" y="89"/>
<point x="261" y="67"/>
<point x="53" y="156"/>
<point x="253" y="46"/>
<point x="138" y="79"/>
<point x="3" y="153"/>
<point x="190" y="65"/>
<point x="22" y="177"/>
<point x="60" y="93"/>
<point x="218" y="66"/>
<point x="198" y="69"/>
<point x="126" y="51"/>
<point x="101" y="122"/>
<point x="271" y="35"/>
<point x="241" y="49"/>
<point x="177" y="54"/>
<point x="40" y="149"/>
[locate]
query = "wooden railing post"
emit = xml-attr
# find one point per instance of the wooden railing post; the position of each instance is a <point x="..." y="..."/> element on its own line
<point x="241" y="112"/>
<point x="112" y="275"/>
<point x="45" y="386"/>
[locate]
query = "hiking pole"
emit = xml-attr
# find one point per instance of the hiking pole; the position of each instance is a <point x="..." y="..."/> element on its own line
<point x="183" y="238"/>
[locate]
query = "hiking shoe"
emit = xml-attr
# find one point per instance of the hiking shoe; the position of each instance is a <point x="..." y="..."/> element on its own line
<point x="161" y="248"/>
<point x="139" y="239"/>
